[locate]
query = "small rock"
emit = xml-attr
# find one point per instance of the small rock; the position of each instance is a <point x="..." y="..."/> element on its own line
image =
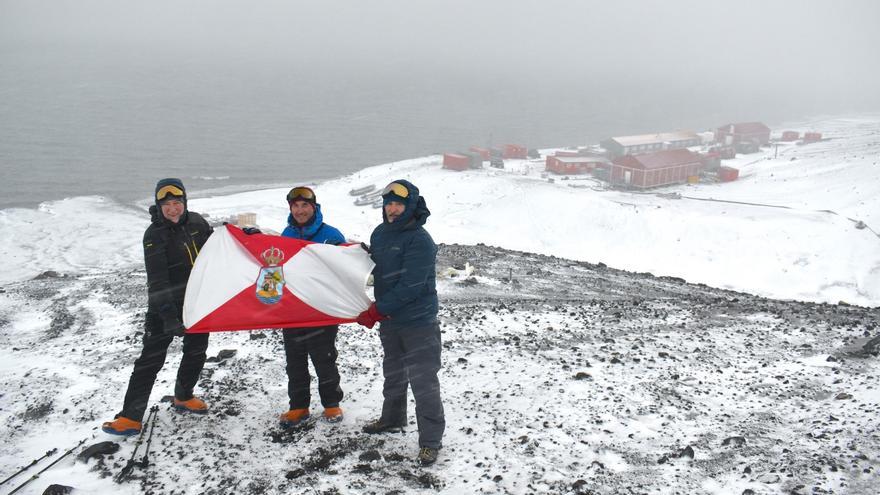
<point x="843" y="396"/>
<point x="687" y="452"/>
<point x="497" y="478"/>
<point x="370" y="456"/>
<point x="582" y="376"/>
<point x="296" y="473"/>
<point x="735" y="441"/>
<point x="57" y="490"/>
<point x="257" y="335"/>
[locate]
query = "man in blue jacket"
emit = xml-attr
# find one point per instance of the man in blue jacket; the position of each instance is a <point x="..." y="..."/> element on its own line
<point x="406" y="304"/>
<point x="306" y="222"/>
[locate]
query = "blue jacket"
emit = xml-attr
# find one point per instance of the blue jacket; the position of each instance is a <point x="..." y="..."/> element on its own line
<point x="406" y="258"/>
<point x="314" y="230"/>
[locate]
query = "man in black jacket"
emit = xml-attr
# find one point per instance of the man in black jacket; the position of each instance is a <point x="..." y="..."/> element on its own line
<point x="171" y="244"/>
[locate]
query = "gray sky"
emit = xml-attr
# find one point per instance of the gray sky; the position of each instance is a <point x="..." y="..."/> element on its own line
<point x="822" y="50"/>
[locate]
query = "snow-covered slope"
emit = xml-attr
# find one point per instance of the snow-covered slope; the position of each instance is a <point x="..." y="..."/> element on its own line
<point x="810" y="250"/>
<point x="558" y="378"/>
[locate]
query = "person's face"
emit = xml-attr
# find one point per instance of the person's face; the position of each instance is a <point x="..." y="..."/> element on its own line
<point x="172" y="209"/>
<point x="393" y="210"/>
<point x="302" y="211"/>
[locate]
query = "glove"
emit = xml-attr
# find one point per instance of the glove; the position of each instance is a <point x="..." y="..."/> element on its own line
<point x="366" y="248"/>
<point x="369" y="317"/>
<point x="174" y="327"/>
<point x="251" y="230"/>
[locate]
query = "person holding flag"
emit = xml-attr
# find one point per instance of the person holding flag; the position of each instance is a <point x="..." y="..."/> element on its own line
<point x="406" y="304"/>
<point x="171" y="244"/>
<point x="306" y="222"/>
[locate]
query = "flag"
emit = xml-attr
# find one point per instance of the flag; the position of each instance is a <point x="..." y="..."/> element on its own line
<point x="244" y="282"/>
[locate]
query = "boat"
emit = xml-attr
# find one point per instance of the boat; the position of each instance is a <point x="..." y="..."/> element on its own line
<point x="362" y="190"/>
<point x="363" y="201"/>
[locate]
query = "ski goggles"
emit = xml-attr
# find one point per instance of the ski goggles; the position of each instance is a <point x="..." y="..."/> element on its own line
<point x="166" y="191"/>
<point x="303" y="193"/>
<point x="397" y="189"/>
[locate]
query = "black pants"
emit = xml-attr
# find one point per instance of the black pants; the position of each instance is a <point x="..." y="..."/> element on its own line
<point x="152" y="358"/>
<point x="412" y="357"/>
<point x="319" y="344"/>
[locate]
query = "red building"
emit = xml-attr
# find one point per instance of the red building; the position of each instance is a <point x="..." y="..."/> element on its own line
<point x="744" y="132"/>
<point x="727" y="174"/>
<point x="514" y="151"/>
<point x="484" y="153"/>
<point x="655" y="169"/>
<point x="454" y="161"/>
<point x="812" y="137"/>
<point x="790" y="136"/>
<point x="569" y="165"/>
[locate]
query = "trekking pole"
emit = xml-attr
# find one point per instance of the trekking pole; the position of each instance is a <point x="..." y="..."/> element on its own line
<point x="131" y="464"/>
<point x="145" y="461"/>
<point x="37" y="475"/>
<point x="47" y="454"/>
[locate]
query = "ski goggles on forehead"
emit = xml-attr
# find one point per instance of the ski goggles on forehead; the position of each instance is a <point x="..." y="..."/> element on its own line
<point x="397" y="189"/>
<point x="300" y="192"/>
<point x="166" y="191"/>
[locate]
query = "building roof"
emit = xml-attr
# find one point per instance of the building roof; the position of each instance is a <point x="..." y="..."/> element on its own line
<point x="746" y="128"/>
<point x="580" y="159"/>
<point x="659" y="159"/>
<point x="660" y="137"/>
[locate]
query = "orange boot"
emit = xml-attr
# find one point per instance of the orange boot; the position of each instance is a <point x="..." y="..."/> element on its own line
<point x="122" y="426"/>
<point x="194" y="405"/>
<point x="294" y="417"/>
<point x="333" y="414"/>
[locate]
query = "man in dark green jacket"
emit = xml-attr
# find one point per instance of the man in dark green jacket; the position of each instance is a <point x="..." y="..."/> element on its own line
<point x="171" y="244"/>
<point x="406" y="304"/>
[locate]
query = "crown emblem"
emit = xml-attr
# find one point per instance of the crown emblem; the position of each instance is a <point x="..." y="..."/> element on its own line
<point x="273" y="256"/>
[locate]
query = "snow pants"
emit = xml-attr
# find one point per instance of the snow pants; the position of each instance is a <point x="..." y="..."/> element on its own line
<point x="412" y="358"/>
<point x="319" y="344"/>
<point x="151" y="360"/>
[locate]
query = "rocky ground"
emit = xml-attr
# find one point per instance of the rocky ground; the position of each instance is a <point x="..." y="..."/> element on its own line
<point x="559" y="377"/>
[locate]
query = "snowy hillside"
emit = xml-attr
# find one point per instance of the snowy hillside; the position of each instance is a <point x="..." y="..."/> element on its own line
<point x="558" y="377"/>
<point x="810" y="250"/>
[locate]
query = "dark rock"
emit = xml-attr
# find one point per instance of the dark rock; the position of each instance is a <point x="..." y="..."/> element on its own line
<point x="735" y="441"/>
<point x="370" y="456"/>
<point x="257" y="336"/>
<point x="497" y="478"/>
<point x="582" y="376"/>
<point x="687" y="452"/>
<point x="843" y="396"/>
<point x="99" y="449"/>
<point x="57" y="490"/>
<point x="48" y="274"/>
<point x="296" y="473"/>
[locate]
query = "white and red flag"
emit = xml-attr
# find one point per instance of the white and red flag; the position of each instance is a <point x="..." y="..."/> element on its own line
<point x="245" y="282"/>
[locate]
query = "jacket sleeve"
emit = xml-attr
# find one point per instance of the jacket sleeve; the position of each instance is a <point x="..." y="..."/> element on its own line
<point x="335" y="237"/>
<point x="158" y="283"/>
<point x="418" y="264"/>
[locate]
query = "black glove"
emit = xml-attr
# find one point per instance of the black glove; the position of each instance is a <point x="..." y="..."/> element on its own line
<point x="251" y="230"/>
<point x="174" y="327"/>
<point x="366" y="248"/>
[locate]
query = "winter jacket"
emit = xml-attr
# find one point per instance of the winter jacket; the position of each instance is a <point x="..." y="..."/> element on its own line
<point x="315" y="230"/>
<point x="406" y="258"/>
<point x="170" y="250"/>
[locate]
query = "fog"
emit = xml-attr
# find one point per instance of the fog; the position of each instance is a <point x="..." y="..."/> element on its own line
<point x="234" y="82"/>
<point x="824" y="49"/>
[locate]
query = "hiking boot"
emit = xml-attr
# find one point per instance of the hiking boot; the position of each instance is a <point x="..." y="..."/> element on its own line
<point x="382" y="426"/>
<point x="294" y="417"/>
<point x="194" y="405"/>
<point x="122" y="426"/>
<point x="427" y="456"/>
<point x="333" y="414"/>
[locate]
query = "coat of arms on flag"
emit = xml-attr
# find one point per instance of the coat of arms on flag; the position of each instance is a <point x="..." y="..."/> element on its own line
<point x="245" y="282"/>
<point x="270" y="283"/>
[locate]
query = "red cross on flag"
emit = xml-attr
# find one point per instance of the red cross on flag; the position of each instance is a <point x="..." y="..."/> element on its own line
<point x="246" y="282"/>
